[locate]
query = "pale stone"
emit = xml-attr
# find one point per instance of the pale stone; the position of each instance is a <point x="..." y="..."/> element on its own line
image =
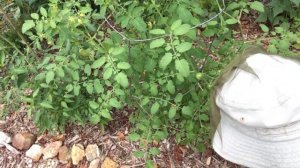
<point x="4" y="137"/>
<point x="92" y="152"/>
<point x="51" y="149"/>
<point x="108" y="163"/>
<point x="35" y="152"/>
<point x="23" y="141"/>
<point x="64" y="154"/>
<point x="95" y="163"/>
<point x="77" y="153"/>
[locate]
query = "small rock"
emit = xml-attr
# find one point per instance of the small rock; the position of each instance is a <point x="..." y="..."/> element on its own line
<point x="4" y="137"/>
<point x="92" y="152"/>
<point x="64" y="154"/>
<point x="77" y="153"/>
<point x="95" y="163"/>
<point x="108" y="163"/>
<point x="23" y="141"/>
<point x="51" y="149"/>
<point x="35" y="152"/>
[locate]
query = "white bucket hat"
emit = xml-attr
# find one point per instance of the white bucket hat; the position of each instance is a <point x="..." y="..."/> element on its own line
<point x="259" y="110"/>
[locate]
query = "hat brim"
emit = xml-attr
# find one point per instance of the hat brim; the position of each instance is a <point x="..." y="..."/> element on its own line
<point x="238" y="147"/>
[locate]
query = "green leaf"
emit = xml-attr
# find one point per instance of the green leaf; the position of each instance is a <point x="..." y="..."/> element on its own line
<point x="43" y="11"/>
<point x="157" y="43"/>
<point x="35" y="16"/>
<point x="171" y="87"/>
<point x="138" y="154"/>
<point x="105" y="113"/>
<point x="176" y="24"/>
<point x="264" y="28"/>
<point x="178" y="98"/>
<point x="172" y="112"/>
<point x="60" y="72"/>
<point x="98" y="86"/>
<point x="154" y="151"/>
<point x="231" y="21"/>
<point x="204" y="117"/>
<point x="134" y="137"/>
<point x="27" y="25"/>
<point x="272" y="49"/>
<point x="76" y="90"/>
<point x="107" y="73"/>
<point x="64" y="104"/>
<point x="165" y="60"/>
<point x="36" y="92"/>
<point x="183" y="67"/>
<point x="123" y="65"/>
<point x="95" y="119"/>
<point x="115" y="103"/>
<point x="157" y="31"/>
<point x="186" y="110"/>
<point x="155" y="107"/>
<point x="122" y="79"/>
<point x="46" y="105"/>
<point x="90" y="88"/>
<point x="258" y="6"/>
<point x="93" y="105"/>
<point x="117" y="51"/>
<point x="49" y="76"/>
<point x="87" y="69"/>
<point x="183" y="47"/>
<point x="182" y="29"/>
<point x="98" y="63"/>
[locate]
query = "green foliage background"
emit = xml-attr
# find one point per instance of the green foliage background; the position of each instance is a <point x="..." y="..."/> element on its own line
<point x="86" y="60"/>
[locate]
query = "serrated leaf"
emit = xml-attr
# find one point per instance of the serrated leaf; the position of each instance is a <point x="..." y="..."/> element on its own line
<point x="107" y="73"/>
<point x="171" y="87"/>
<point x="43" y="11"/>
<point x="46" y="105"/>
<point x="138" y="154"/>
<point x="105" y="113"/>
<point x="157" y="31"/>
<point x="176" y="24"/>
<point x="186" y="110"/>
<point x="165" y="60"/>
<point x="123" y="65"/>
<point x="122" y="79"/>
<point x="27" y="25"/>
<point x="93" y="105"/>
<point x="115" y="103"/>
<point x="90" y="88"/>
<point x="34" y="16"/>
<point x="178" y="98"/>
<point x="182" y="29"/>
<point x="49" y="76"/>
<point x="258" y="6"/>
<point x="117" y="50"/>
<point x="154" y="108"/>
<point x="183" y="47"/>
<point x="157" y="43"/>
<point x="134" y="137"/>
<point x="98" y="86"/>
<point x="76" y="90"/>
<point x="98" y="63"/>
<point x="87" y="69"/>
<point x="95" y="119"/>
<point x="264" y="28"/>
<point x="60" y="72"/>
<point x="154" y="151"/>
<point x="231" y="21"/>
<point x="172" y="112"/>
<point x="182" y="67"/>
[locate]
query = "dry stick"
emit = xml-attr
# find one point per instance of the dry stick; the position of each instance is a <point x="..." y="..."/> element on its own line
<point x="19" y="34"/>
